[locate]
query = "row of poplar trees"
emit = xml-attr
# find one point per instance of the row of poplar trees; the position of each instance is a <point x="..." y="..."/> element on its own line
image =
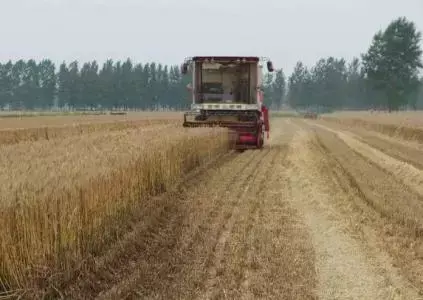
<point x="29" y="85"/>
<point x="385" y="77"/>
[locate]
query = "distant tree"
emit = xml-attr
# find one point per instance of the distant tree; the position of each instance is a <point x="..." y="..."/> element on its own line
<point x="181" y="97"/>
<point x="75" y="99"/>
<point x="392" y="62"/>
<point x="268" y="86"/>
<point x="18" y="89"/>
<point x="6" y="84"/>
<point x="355" y="93"/>
<point x="31" y="85"/>
<point x="326" y="85"/>
<point x="279" y="88"/>
<point x="107" y="82"/>
<point x="165" y="84"/>
<point x="63" y="85"/>
<point x="419" y="103"/>
<point x="47" y="77"/>
<point x="336" y="82"/>
<point x="138" y="81"/>
<point x="90" y="85"/>
<point x="298" y="85"/>
<point x="147" y="84"/>
<point x="153" y="85"/>
<point x="386" y="77"/>
<point x="127" y="86"/>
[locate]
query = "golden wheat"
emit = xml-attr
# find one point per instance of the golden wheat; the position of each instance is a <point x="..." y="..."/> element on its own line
<point x="410" y="118"/>
<point x="63" y="200"/>
<point x="14" y="131"/>
<point x="58" y="121"/>
<point x="404" y="125"/>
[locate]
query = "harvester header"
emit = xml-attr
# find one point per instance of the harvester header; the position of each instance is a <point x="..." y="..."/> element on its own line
<point x="227" y="91"/>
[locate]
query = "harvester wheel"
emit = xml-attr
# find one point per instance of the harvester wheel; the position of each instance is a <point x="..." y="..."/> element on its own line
<point x="260" y="139"/>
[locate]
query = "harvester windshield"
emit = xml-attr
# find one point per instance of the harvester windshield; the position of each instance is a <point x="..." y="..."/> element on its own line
<point x="225" y="82"/>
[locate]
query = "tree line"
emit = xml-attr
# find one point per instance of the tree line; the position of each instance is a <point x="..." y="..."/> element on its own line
<point x="385" y="77"/>
<point x="29" y="85"/>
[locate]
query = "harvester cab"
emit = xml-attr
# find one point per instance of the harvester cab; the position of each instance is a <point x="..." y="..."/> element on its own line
<point x="227" y="92"/>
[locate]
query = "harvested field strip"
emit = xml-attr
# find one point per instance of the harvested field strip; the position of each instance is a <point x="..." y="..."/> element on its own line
<point x="379" y="200"/>
<point x="349" y="261"/>
<point x="257" y="261"/>
<point x="217" y="261"/>
<point x="408" y="118"/>
<point x="16" y="135"/>
<point x="392" y="199"/>
<point x="405" y="131"/>
<point x="207" y="207"/>
<point x="405" y="173"/>
<point x="65" y="199"/>
<point x="160" y="245"/>
<point x="406" y="151"/>
<point x="235" y="235"/>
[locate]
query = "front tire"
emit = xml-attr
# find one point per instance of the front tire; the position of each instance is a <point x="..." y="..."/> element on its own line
<point x="260" y="139"/>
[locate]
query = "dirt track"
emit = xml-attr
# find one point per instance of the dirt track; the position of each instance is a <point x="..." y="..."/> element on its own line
<point x="323" y="212"/>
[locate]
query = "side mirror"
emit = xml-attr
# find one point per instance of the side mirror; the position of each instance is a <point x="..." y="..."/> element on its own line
<point x="184" y="68"/>
<point x="270" y="66"/>
<point x="189" y="87"/>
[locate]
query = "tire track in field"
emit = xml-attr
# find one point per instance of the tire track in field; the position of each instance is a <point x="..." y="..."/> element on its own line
<point x="268" y="254"/>
<point x="357" y="193"/>
<point x="229" y="231"/>
<point x="270" y="175"/>
<point x="399" y="179"/>
<point x="409" y="175"/>
<point x="253" y="211"/>
<point x="407" y="151"/>
<point x="249" y="158"/>
<point x="240" y="190"/>
<point x="250" y="265"/>
<point x="224" y="180"/>
<point x="116" y="272"/>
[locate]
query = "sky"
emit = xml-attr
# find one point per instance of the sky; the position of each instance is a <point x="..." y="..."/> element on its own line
<point x="168" y="31"/>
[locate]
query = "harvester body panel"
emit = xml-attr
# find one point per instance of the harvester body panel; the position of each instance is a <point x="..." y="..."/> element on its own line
<point x="227" y="92"/>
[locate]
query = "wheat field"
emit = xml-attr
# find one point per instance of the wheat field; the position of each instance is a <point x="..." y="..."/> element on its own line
<point x="64" y="198"/>
<point x="404" y="125"/>
<point x="404" y="118"/>
<point x="15" y="130"/>
<point x="137" y="206"/>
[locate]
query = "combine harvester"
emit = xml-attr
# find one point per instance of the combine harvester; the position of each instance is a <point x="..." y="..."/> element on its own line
<point x="227" y="92"/>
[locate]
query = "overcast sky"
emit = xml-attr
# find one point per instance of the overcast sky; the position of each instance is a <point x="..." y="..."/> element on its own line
<point x="168" y="31"/>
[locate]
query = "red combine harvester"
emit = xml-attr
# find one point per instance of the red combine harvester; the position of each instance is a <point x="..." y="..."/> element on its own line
<point x="227" y="92"/>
